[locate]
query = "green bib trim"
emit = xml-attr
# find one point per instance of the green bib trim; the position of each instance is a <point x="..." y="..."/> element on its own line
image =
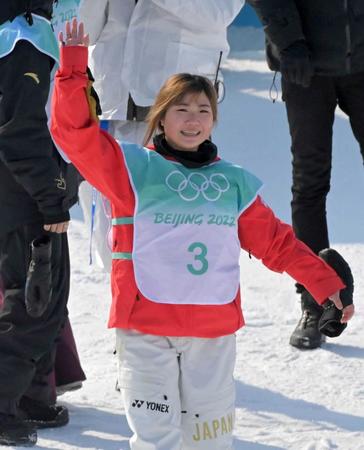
<point x="122" y="221"/>
<point x="121" y="255"/>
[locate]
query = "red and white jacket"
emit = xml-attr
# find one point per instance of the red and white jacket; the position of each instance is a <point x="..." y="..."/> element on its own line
<point x="99" y="159"/>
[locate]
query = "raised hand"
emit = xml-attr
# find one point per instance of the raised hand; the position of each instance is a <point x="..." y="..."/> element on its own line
<point x="75" y="35"/>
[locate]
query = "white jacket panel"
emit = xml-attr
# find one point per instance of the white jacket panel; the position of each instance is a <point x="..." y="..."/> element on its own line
<point x="138" y="46"/>
<point x="107" y="22"/>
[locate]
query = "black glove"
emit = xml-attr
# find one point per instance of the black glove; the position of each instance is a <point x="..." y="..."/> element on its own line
<point x="38" y="286"/>
<point x="329" y="323"/>
<point x="295" y="63"/>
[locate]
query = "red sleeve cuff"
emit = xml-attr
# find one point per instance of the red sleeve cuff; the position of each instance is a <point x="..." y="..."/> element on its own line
<point x="326" y="288"/>
<point x="73" y="58"/>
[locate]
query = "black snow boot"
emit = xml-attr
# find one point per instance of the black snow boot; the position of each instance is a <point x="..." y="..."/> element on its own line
<point x="16" y="432"/>
<point x="38" y="287"/>
<point x="41" y="415"/>
<point x="306" y="334"/>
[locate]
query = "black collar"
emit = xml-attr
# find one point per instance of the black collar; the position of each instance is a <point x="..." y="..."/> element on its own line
<point x="205" y="154"/>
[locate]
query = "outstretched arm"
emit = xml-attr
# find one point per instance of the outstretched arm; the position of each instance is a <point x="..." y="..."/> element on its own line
<point x="273" y="242"/>
<point x="94" y="152"/>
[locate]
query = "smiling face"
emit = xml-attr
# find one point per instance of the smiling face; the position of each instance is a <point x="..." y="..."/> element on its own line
<point x="189" y="122"/>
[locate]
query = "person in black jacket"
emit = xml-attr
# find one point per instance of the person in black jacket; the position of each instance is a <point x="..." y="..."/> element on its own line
<point x="318" y="46"/>
<point x="37" y="188"/>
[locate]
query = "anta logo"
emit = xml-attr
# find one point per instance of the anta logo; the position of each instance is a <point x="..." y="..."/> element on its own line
<point x="137" y="403"/>
<point x="152" y="406"/>
<point x="32" y="75"/>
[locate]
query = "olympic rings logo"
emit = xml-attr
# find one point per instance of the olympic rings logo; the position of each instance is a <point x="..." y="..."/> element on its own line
<point x="195" y="184"/>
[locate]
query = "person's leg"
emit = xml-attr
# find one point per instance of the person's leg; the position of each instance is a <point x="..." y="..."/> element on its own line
<point x="38" y="404"/>
<point x="42" y="387"/>
<point x="25" y="340"/>
<point x="17" y="368"/>
<point x="207" y="392"/>
<point x="310" y="113"/>
<point x="59" y="371"/>
<point x="351" y="100"/>
<point x="68" y="371"/>
<point x="148" y="381"/>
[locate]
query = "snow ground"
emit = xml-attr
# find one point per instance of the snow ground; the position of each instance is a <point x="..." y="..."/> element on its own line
<point x="286" y="399"/>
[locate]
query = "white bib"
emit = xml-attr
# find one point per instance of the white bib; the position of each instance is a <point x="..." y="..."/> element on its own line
<point x="186" y="247"/>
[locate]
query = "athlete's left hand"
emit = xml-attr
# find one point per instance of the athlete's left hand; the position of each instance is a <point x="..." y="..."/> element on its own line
<point x="348" y="311"/>
<point x="75" y="35"/>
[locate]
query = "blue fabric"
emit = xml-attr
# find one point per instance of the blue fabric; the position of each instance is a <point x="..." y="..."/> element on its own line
<point x="40" y="34"/>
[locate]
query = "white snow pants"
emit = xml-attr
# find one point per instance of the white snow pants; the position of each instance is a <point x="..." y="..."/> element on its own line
<point x="178" y="393"/>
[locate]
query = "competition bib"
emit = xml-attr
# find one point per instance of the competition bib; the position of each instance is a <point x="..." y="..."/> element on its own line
<point x="186" y="246"/>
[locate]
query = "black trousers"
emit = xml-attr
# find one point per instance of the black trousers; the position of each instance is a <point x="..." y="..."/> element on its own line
<point x="311" y="113"/>
<point x="27" y="344"/>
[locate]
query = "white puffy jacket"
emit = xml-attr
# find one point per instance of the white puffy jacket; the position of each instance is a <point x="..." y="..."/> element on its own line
<point x="137" y="46"/>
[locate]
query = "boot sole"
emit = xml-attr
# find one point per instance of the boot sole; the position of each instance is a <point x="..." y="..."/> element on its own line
<point x="70" y="387"/>
<point x="60" y="420"/>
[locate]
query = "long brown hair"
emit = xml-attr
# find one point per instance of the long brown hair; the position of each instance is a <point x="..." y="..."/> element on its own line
<point x="173" y="90"/>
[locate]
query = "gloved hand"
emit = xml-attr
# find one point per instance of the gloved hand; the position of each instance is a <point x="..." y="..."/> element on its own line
<point x="296" y="66"/>
<point x="329" y="323"/>
<point x="38" y="286"/>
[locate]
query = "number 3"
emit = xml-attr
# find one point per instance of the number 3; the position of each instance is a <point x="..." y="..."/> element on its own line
<point x="199" y="257"/>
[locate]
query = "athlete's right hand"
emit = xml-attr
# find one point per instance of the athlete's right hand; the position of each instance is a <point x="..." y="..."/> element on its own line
<point x="75" y="35"/>
<point x="347" y="311"/>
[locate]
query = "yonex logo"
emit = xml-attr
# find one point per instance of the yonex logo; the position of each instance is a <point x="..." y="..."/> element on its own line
<point x="137" y="403"/>
<point x="152" y="406"/>
<point x="195" y="184"/>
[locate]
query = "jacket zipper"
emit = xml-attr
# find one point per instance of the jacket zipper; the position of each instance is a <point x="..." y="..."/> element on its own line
<point x="348" y="39"/>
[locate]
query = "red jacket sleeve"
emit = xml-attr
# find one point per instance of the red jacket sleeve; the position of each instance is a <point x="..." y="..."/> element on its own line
<point x="272" y="241"/>
<point x="93" y="151"/>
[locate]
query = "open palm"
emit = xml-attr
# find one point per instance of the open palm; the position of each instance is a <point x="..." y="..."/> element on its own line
<point x="75" y="35"/>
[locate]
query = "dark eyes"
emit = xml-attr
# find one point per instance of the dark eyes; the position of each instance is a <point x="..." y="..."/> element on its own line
<point x="185" y="110"/>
